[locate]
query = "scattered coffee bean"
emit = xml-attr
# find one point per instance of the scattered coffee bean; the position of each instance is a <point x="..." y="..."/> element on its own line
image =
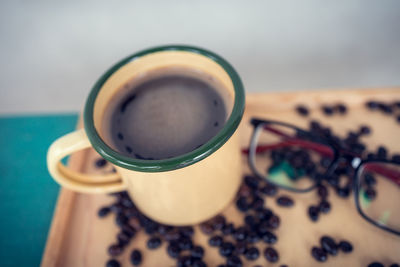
<point x="173" y="250"/>
<point x="207" y="228"/>
<point x="112" y="263"/>
<point x="327" y="110"/>
<point x="274" y="222"/>
<point x="215" y="241"/>
<point x="370" y="193"/>
<point x="343" y="191"/>
<point x="269" y="238"/>
<point x="313" y="213"/>
<point x="302" y="110"/>
<point x="376" y="264"/>
<point x="228" y="229"/>
<point x="364" y="130"/>
<point x="185" y="261"/>
<point x="285" y="201"/>
<point x="322" y="191"/>
<point x="324" y="206"/>
<point x="240" y="248"/>
<point x="185" y="243"/>
<point x="233" y="261"/>
<point x="240" y="234"/>
<point x="103" y="212"/>
<point x="372" y="104"/>
<point x="252" y="253"/>
<point x="136" y="257"/>
<point x="382" y="152"/>
<point x="198" y="263"/>
<point x="154" y="243"/>
<point x="226" y="249"/>
<point x="271" y="254"/>
<point x="242" y="204"/>
<point x="269" y="190"/>
<point x="319" y="254"/>
<point x="115" y="250"/>
<point x="341" y="108"/>
<point x="329" y="245"/>
<point x="345" y="246"/>
<point x="394" y="265"/>
<point x="396" y="158"/>
<point x="197" y="252"/>
<point x="101" y="163"/>
<point x="218" y="222"/>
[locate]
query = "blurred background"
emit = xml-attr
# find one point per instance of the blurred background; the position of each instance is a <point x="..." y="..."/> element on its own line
<point x="52" y="52"/>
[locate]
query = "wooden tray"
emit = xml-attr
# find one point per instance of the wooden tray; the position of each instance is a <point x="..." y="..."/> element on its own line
<point x="78" y="238"/>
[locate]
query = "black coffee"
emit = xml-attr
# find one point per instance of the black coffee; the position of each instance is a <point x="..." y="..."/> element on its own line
<point x="164" y="117"/>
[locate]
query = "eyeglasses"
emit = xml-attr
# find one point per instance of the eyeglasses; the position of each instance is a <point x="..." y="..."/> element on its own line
<point x="299" y="160"/>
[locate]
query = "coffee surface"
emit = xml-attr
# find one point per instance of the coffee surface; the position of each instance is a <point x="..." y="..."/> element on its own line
<point x="164" y="117"/>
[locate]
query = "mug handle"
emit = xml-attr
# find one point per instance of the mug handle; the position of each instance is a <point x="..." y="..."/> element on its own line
<point x="78" y="181"/>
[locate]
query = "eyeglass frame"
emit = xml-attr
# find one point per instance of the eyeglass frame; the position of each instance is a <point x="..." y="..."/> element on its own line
<point x="338" y="152"/>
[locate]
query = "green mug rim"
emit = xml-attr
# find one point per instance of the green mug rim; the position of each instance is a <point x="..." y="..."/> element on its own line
<point x="182" y="160"/>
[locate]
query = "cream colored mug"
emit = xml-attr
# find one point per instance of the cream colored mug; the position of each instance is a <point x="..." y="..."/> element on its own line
<point x="182" y="190"/>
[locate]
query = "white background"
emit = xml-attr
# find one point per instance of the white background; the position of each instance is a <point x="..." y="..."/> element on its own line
<point x="51" y="52"/>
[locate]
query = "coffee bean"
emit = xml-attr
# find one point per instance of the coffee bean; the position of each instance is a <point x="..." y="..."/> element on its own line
<point x="226" y="249"/>
<point x="124" y="237"/>
<point x="302" y="110"/>
<point x="172" y="235"/>
<point x="121" y="219"/>
<point x="240" y="234"/>
<point x="207" y="228"/>
<point x="198" y="263"/>
<point x="285" y="201"/>
<point x="101" y="163"/>
<point x="372" y="104"/>
<point x="271" y="254"/>
<point x="187" y="231"/>
<point x="197" y="252"/>
<point x="398" y="118"/>
<point x="343" y="191"/>
<point x="250" y="220"/>
<point x="252" y="253"/>
<point x="103" y="212"/>
<point x="242" y="204"/>
<point x="233" y="261"/>
<point x="185" y="243"/>
<point x="329" y="245"/>
<point x="269" y="190"/>
<point x="269" y="238"/>
<point x="324" y="206"/>
<point x="136" y="257"/>
<point x="364" y="130"/>
<point x="319" y="254"/>
<point x="185" y="261"/>
<point x="173" y="250"/>
<point x="381" y="152"/>
<point x="345" y="246"/>
<point x="215" y="241"/>
<point x="313" y="213"/>
<point x="240" y="248"/>
<point x="369" y="179"/>
<point x="327" y="110"/>
<point x="376" y="264"/>
<point x="385" y="108"/>
<point x="274" y="222"/>
<point x="228" y="229"/>
<point x="252" y="237"/>
<point x="218" y="222"/>
<point x="112" y="263"/>
<point x="154" y="243"/>
<point x="370" y="193"/>
<point x="396" y="158"/>
<point x="257" y="203"/>
<point x="251" y="181"/>
<point x="341" y="108"/>
<point x="115" y="250"/>
<point x="322" y="191"/>
<point x="394" y="265"/>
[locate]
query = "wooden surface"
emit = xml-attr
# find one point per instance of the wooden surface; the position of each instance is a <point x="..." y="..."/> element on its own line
<point x="78" y="238"/>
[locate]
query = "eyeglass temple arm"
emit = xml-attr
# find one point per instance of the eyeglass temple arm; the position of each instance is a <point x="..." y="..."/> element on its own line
<point x="392" y="175"/>
<point x="290" y="141"/>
